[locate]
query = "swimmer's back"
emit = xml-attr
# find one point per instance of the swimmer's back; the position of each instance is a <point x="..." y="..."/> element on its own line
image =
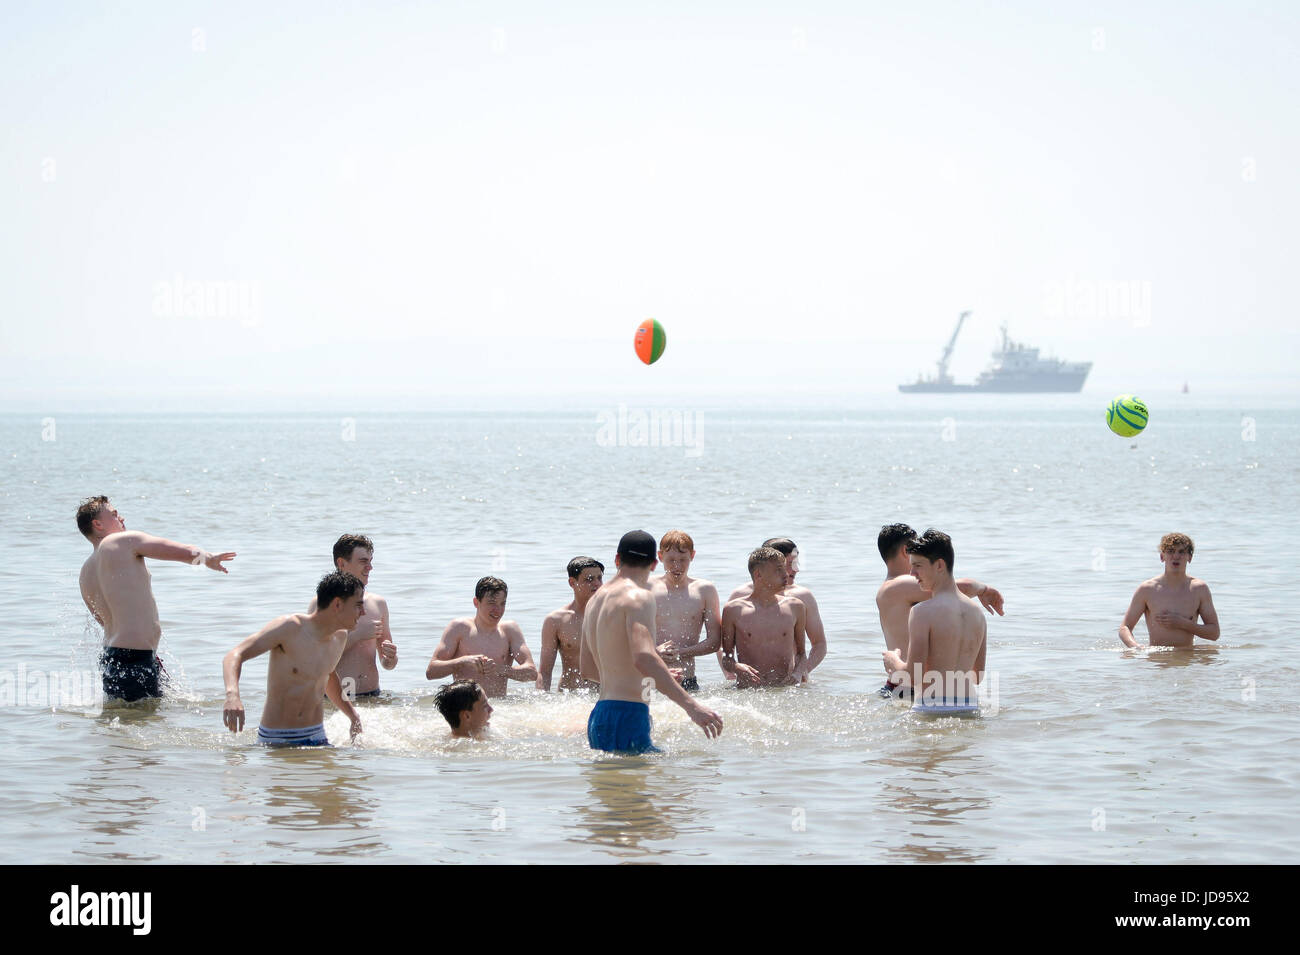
<point x="613" y="610"/>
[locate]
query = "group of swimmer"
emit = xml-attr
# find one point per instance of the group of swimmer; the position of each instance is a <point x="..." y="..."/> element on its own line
<point x="617" y="638"/>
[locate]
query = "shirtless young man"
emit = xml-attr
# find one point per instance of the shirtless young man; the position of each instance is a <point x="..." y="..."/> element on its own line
<point x="765" y="629"/>
<point x="484" y="647"/>
<point x="618" y="652"/>
<point x="901" y="592"/>
<point x="465" y="707"/>
<point x="115" y="585"/>
<point x="562" y="629"/>
<point x="305" y="650"/>
<point x="816" y="632"/>
<point x="354" y="554"/>
<point x="1172" y="602"/>
<point x="683" y="606"/>
<point x="945" y="634"/>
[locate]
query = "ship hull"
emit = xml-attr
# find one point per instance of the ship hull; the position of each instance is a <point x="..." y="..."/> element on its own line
<point x="1023" y="385"/>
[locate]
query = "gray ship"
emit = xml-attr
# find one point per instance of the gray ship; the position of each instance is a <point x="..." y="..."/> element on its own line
<point x="1015" y="368"/>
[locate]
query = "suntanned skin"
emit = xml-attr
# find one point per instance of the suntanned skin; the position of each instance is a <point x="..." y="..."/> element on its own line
<point x="305" y="649"/>
<point x="474" y="721"/>
<point x="371" y="637"/>
<point x="683" y="606"/>
<point x="115" y="583"/>
<point x="562" y="634"/>
<point x="945" y="638"/>
<point x="766" y="631"/>
<point x="618" y="646"/>
<point x="901" y="592"/>
<point x="483" y="648"/>
<point x="1172" y="603"/>
<point x="816" y="632"/>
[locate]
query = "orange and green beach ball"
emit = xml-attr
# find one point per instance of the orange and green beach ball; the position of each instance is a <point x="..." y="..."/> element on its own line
<point x="650" y="341"/>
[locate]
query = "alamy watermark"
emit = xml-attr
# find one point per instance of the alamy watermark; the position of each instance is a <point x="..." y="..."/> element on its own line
<point x="657" y="428"/>
<point x="210" y="299"/>
<point x="1091" y="299"/>
<point x="54" y="689"/>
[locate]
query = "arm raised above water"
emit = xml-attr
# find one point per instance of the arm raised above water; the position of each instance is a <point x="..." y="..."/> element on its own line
<point x="159" y="548"/>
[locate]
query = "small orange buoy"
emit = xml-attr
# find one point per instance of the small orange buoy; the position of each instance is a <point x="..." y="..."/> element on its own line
<point x="650" y="341"/>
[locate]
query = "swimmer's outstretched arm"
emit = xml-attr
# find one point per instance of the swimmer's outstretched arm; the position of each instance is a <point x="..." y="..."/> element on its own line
<point x="1204" y="609"/>
<point x="233" y="663"/>
<point x="1136" y="608"/>
<point x="159" y="548"/>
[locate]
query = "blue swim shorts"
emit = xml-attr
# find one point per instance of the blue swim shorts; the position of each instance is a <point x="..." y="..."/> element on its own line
<point x="307" y="736"/>
<point x="620" y="726"/>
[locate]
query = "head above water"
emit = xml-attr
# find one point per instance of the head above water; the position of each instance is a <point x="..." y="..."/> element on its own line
<point x="490" y="585"/>
<point x="347" y="589"/>
<point x="926" y="551"/>
<point x="582" y="569"/>
<point x="354" y="554"/>
<point x="97" y="518"/>
<point x="787" y="549"/>
<point x="677" y="540"/>
<point x="766" y="560"/>
<point x="464" y="706"/>
<point x="636" y="549"/>
<point x="891" y="539"/>
<point x="1172" y="543"/>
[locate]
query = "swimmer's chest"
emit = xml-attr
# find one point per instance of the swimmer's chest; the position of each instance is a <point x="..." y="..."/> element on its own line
<point x="1174" y="599"/>
<point x="303" y="655"/>
<point x="495" y="645"/>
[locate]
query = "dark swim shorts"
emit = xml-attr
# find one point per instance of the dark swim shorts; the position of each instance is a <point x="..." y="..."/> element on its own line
<point x="131" y="675"/>
<point x="620" y="726"/>
<point x="690" y="684"/>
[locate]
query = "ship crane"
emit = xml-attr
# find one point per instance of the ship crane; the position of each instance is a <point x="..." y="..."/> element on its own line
<point x="947" y="352"/>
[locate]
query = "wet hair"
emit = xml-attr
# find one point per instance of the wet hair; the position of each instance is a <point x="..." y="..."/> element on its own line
<point x="783" y="544"/>
<point x="345" y="545"/>
<point x="337" y="584"/>
<point x="677" y="540"/>
<point x="490" y="585"/>
<point x="1174" y="541"/>
<point x="932" y="545"/>
<point x="453" y="699"/>
<point x="892" y="537"/>
<point x="765" y="555"/>
<point x="579" y="564"/>
<point x="87" y="511"/>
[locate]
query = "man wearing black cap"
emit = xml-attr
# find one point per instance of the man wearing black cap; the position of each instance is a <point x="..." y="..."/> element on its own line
<point x="618" y="652"/>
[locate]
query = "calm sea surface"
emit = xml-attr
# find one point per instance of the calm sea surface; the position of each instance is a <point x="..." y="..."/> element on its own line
<point x="1086" y="753"/>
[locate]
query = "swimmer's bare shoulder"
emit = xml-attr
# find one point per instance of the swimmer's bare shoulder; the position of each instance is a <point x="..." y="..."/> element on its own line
<point x="448" y="647"/>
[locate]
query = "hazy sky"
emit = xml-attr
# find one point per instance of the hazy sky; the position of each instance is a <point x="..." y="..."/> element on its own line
<point x="403" y="199"/>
